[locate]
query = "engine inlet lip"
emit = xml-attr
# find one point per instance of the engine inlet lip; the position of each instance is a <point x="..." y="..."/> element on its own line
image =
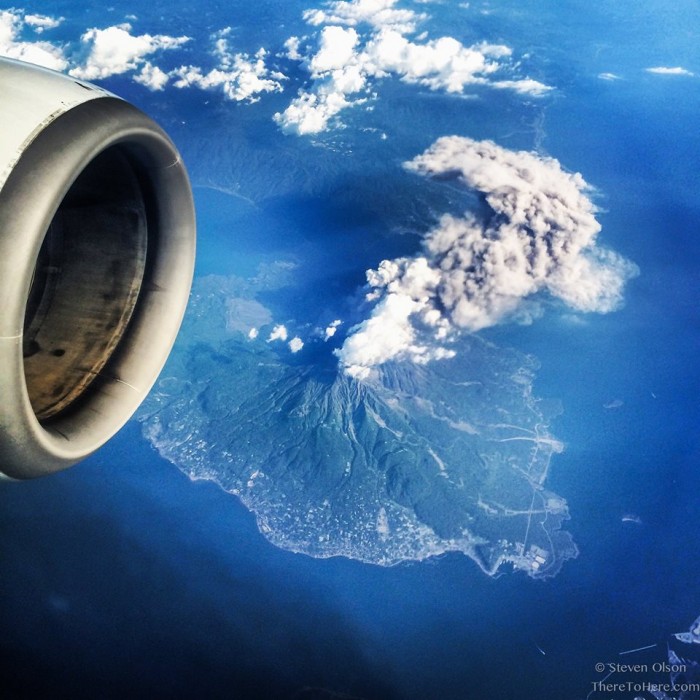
<point x="29" y="200"/>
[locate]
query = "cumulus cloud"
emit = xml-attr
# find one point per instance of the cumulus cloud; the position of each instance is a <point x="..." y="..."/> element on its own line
<point x="348" y="58"/>
<point x="12" y="44"/>
<point x="331" y="329"/>
<point x="279" y="332"/>
<point x="526" y="86"/>
<point x="540" y="236"/>
<point x="336" y="50"/>
<point x="338" y="73"/>
<point x="116" y="50"/>
<point x="296" y="344"/>
<point x="152" y="77"/>
<point x="42" y="22"/>
<point x="390" y="333"/>
<point x="443" y="63"/>
<point x="239" y="76"/>
<point x="667" y="70"/>
<point x="292" y="46"/>
<point x="376" y="13"/>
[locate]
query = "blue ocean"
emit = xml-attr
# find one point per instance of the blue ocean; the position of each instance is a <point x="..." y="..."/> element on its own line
<point x="124" y="577"/>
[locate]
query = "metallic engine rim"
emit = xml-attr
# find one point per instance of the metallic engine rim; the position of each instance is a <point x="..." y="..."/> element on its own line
<point x="28" y="201"/>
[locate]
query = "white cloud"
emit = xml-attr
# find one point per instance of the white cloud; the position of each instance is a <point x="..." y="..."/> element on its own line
<point x="526" y="86"/>
<point x="440" y="64"/>
<point x="336" y="50"/>
<point x="376" y="13"/>
<point x="41" y="53"/>
<point x="391" y="332"/>
<point x="243" y="81"/>
<point x="337" y="72"/>
<point x="296" y="344"/>
<point x="345" y="61"/>
<point x="609" y="76"/>
<point x="42" y="22"/>
<point x="292" y="46"/>
<point x="116" y="50"/>
<point x="253" y="333"/>
<point x="331" y="329"/>
<point x="152" y="77"/>
<point x="238" y="75"/>
<point x="387" y="334"/>
<point x="279" y="332"/>
<point x="311" y="112"/>
<point x="666" y="70"/>
<point x="540" y="237"/>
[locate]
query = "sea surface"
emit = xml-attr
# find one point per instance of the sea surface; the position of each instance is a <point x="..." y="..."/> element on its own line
<point x="123" y="577"/>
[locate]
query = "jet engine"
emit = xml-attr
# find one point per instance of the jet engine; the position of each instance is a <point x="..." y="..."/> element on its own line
<point x="97" y="241"/>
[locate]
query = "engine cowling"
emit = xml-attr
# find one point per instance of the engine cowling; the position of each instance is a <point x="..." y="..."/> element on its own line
<point x="97" y="243"/>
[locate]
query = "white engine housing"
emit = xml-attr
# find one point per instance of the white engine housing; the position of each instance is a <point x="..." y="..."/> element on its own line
<point x="97" y="243"/>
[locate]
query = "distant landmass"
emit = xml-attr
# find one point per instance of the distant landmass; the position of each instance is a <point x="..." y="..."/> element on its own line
<point x="417" y="461"/>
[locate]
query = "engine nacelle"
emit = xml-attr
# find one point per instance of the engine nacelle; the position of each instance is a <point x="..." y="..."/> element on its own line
<point x="97" y="241"/>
